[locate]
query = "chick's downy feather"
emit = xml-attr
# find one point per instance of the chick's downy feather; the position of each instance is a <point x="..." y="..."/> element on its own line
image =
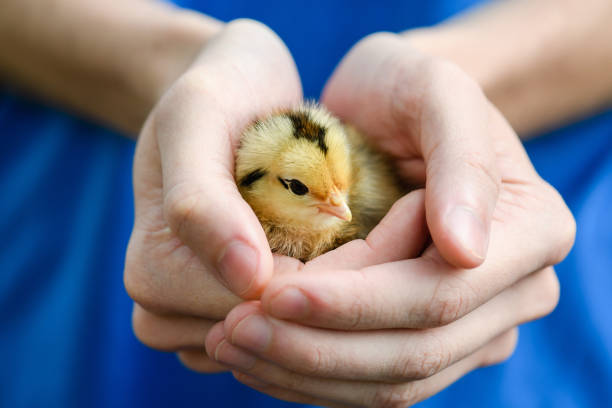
<point x="313" y="182"/>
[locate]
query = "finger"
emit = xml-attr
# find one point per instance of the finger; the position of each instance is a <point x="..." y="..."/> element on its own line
<point x="530" y="233"/>
<point x="463" y="180"/>
<point x="401" y="234"/>
<point x="197" y="126"/>
<point x="285" y="264"/>
<point x="197" y="360"/>
<point x="386" y="355"/>
<point x="218" y="346"/>
<point x="176" y="333"/>
<point x="283" y="393"/>
<point x="170" y="333"/>
<point x="287" y="385"/>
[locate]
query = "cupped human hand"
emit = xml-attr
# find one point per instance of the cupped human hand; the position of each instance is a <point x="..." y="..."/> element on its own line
<point x="196" y="247"/>
<point x="437" y="126"/>
<point x="378" y="322"/>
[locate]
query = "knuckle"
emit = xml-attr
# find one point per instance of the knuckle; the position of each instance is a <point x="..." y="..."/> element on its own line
<point x="197" y="361"/>
<point x="315" y="362"/>
<point x="486" y="170"/>
<point x="149" y="331"/>
<point x="432" y="356"/>
<point x="566" y="235"/>
<point x="181" y="207"/>
<point x="452" y="298"/>
<point x="135" y="279"/>
<point x="244" y="378"/>
<point x="130" y="274"/>
<point x="293" y="381"/>
<point x="142" y="290"/>
<point x="188" y="360"/>
<point x="562" y="223"/>
<point x="548" y="294"/>
<point x="502" y="349"/>
<point x="508" y="345"/>
<point x="358" y="305"/>
<point x="431" y="362"/>
<point x="401" y="396"/>
<point x="148" y="259"/>
<point x="356" y="313"/>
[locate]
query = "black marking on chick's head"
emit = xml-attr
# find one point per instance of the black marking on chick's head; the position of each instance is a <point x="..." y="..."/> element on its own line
<point x="252" y="177"/>
<point x="305" y="128"/>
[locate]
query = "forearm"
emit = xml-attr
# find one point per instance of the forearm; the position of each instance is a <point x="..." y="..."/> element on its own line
<point x="108" y="60"/>
<point x="541" y="63"/>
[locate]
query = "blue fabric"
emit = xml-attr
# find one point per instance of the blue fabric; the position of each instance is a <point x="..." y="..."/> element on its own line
<point x="66" y="205"/>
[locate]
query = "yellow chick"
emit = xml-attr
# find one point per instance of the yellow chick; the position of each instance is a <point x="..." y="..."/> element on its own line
<point x="312" y="181"/>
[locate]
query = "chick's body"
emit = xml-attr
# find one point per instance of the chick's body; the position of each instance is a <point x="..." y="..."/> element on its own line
<point x="313" y="182"/>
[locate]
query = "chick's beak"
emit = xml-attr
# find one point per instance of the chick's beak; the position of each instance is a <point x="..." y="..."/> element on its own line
<point x="336" y="206"/>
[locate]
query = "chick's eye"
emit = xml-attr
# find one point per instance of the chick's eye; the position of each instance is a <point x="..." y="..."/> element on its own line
<point x="297" y="187"/>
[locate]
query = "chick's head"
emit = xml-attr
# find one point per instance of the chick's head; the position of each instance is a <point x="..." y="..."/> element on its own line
<point x="294" y="169"/>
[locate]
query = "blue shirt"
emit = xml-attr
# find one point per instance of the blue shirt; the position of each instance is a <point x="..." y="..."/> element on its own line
<point x="66" y="206"/>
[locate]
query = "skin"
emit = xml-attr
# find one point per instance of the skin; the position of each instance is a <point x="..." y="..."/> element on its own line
<point x="196" y="249"/>
<point x="547" y="61"/>
<point x="382" y="295"/>
<point x="133" y="51"/>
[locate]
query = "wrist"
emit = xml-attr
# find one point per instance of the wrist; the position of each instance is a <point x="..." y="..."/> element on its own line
<point x="168" y="54"/>
<point x="540" y="63"/>
<point x="107" y="60"/>
<point x="174" y="49"/>
<point x="465" y="48"/>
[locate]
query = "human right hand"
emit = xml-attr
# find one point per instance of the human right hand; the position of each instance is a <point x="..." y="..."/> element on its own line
<point x="372" y="323"/>
<point x="196" y="247"/>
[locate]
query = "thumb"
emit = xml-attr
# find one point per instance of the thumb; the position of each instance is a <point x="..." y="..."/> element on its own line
<point x="462" y="177"/>
<point x="201" y="202"/>
<point x="410" y="104"/>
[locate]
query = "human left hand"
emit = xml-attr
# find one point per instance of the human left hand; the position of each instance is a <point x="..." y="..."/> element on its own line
<point x="196" y="247"/>
<point x="403" y="329"/>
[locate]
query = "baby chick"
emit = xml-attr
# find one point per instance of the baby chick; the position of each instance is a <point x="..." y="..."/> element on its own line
<point x="312" y="181"/>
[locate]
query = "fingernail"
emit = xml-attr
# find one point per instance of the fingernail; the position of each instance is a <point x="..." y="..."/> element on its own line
<point x="232" y="356"/>
<point x="469" y="230"/>
<point x="253" y="333"/>
<point x="290" y="303"/>
<point x="237" y="265"/>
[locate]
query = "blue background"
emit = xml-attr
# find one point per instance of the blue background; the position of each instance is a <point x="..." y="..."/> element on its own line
<point x="66" y="206"/>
